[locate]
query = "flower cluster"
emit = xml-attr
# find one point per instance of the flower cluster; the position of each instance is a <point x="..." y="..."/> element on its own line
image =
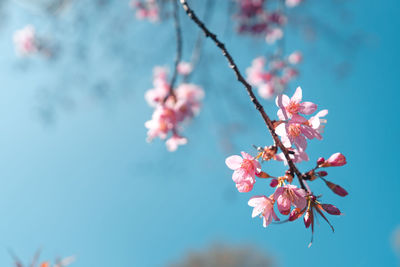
<point x="272" y="79"/>
<point x="292" y="201"/>
<point x="172" y="107"/>
<point x="146" y="9"/>
<point x="255" y="19"/>
<point x="25" y="41"/>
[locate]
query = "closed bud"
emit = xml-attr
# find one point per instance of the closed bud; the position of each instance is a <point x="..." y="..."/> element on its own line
<point x="336" y="160"/>
<point x="274" y="183"/>
<point x="262" y="175"/>
<point x="331" y="209"/>
<point x="337" y="189"/>
<point x="322" y="173"/>
<point x="308" y="218"/>
<point x="320" y="161"/>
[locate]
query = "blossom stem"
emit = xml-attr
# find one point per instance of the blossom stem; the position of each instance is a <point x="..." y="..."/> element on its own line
<point x="248" y="87"/>
<point x="197" y="50"/>
<point x="178" y="56"/>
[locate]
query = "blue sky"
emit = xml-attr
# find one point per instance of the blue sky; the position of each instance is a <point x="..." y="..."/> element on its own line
<point x="79" y="179"/>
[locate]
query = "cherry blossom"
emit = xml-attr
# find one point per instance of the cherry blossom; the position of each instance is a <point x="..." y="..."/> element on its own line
<point x="264" y="207"/>
<point x="271" y="78"/>
<point x="174" y="141"/>
<point x="288" y="195"/>
<point x="25" y="41"/>
<point x="293" y="3"/>
<point x="245" y="169"/>
<point x="295" y="132"/>
<point x="185" y="68"/>
<point x="146" y="9"/>
<point x="292" y="106"/>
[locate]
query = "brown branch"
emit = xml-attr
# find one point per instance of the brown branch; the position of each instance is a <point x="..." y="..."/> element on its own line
<point x="248" y="87"/>
<point x="178" y="55"/>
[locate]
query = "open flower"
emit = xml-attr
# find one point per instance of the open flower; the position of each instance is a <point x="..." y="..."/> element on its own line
<point x="25" y="41"/>
<point x="174" y="141"/>
<point x="295" y="131"/>
<point x="289" y="195"/>
<point x="245" y="169"/>
<point x="263" y="206"/>
<point x="292" y="106"/>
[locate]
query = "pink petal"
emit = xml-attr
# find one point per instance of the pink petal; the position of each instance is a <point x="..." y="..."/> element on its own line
<point x="297" y="96"/>
<point x="282" y="101"/>
<point x="233" y="162"/>
<point x="239" y="175"/>
<point x="256" y="200"/>
<point x="308" y="108"/>
<point x="298" y="119"/>
<point x="322" y="113"/>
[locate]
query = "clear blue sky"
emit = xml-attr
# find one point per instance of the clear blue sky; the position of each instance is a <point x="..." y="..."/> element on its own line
<point x="77" y="176"/>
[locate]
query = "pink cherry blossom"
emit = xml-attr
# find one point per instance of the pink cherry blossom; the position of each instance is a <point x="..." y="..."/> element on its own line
<point x="274" y="35"/>
<point x="264" y="207"/>
<point x="289" y="195"/>
<point x="245" y="169"/>
<point x="295" y="132"/>
<point x="295" y="57"/>
<point x="25" y="41"/>
<point x="174" y="141"/>
<point x="292" y="3"/>
<point x="291" y="106"/>
<point x="157" y="94"/>
<point x="266" y="90"/>
<point x="146" y="9"/>
<point x="163" y="120"/>
<point x="184" y="68"/>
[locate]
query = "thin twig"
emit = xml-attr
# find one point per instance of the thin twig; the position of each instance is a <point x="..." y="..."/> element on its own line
<point x="248" y="87"/>
<point x="209" y="8"/>
<point x="178" y="55"/>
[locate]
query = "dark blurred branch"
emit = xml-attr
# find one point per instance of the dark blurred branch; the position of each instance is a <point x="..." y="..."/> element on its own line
<point x="178" y="55"/>
<point x="248" y="87"/>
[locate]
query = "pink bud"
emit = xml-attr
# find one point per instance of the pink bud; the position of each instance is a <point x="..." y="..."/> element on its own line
<point x="308" y="218"/>
<point x="322" y="173"/>
<point x="337" y="189"/>
<point x="295" y="214"/>
<point x="262" y="174"/>
<point x="337" y="159"/>
<point x="331" y="209"/>
<point x="274" y="183"/>
<point x="320" y="161"/>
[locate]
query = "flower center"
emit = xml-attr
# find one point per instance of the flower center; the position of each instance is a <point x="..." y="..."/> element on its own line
<point x="293" y="107"/>
<point x="294" y="129"/>
<point x="247" y="165"/>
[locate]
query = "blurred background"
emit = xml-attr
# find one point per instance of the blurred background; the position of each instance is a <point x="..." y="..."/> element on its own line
<point x="78" y="178"/>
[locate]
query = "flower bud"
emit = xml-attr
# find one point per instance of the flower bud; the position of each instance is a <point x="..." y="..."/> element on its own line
<point x="337" y="189"/>
<point x="274" y="183"/>
<point x="320" y="161"/>
<point x="337" y="159"/>
<point x="322" y="173"/>
<point x="331" y="209"/>
<point x="307" y="218"/>
<point x="295" y="214"/>
<point x="262" y="174"/>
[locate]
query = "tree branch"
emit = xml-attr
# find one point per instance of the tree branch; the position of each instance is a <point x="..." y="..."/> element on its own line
<point x="248" y="87"/>
<point x="178" y="55"/>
